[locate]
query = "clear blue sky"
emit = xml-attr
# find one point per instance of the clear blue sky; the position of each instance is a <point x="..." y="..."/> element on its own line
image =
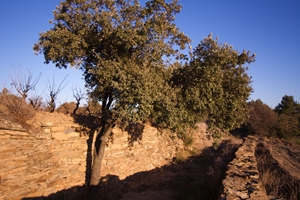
<point x="268" y="28"/>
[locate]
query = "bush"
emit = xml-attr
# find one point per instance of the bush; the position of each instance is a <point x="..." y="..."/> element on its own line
<point x="262" y="120"/>
<point x="287" y="127"/>
<point x="66" y="108"/>
<point x="15" y="109"/>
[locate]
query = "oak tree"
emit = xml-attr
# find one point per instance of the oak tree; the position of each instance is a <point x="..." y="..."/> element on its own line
<point x="123" y="50"/>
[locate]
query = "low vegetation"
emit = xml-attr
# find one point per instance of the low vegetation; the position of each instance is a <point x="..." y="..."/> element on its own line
<point x="282" y="122"/>
<point x="277" y="179"/>
<point x="15" y="109"/>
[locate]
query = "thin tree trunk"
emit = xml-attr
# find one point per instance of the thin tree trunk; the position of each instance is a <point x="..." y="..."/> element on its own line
<point x="77" y="106"/>
<point x="99" y="148"/>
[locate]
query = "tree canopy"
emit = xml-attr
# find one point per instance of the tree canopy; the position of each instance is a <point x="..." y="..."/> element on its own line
<point x="289" y="117"/>
<point x="288" y="106"/>
<point x="263" y="120"/>
<point x="120" y="47"/>
<point x="215" y="83"/>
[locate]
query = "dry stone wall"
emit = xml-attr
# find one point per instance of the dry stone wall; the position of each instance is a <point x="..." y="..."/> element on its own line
<point x="58" y="157"/>
<point x="242" y="177"/>
<point x="42" y="164"/>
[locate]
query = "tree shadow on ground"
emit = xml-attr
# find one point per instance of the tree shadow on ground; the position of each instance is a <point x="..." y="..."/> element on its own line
<point x="198" y="177"/>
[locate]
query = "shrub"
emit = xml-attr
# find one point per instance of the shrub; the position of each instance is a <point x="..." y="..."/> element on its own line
<point x="182" y="156"/>
<point x="15" y="109"/>
<point x="287" y="127"/>
<point x="262" y="120"/>
<point x="66" y="108"/>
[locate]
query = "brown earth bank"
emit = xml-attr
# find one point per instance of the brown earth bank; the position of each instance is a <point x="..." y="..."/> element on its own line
<point x="279" y="168"/>
<point x="199" y="177"/>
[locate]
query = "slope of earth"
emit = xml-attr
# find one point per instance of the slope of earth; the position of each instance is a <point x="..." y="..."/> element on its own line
<point x="279" y="168"/>
<point x="287" y="155"/>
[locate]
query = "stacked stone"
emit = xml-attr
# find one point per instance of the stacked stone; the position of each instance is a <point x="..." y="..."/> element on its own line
<point x="149" y="151"/>
<point x="56" y="158"/>
<point x="242" y="177"/>
<point x="40" y="164"/>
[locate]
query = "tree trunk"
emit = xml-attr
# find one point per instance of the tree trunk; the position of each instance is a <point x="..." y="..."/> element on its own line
<point x="99" y="148"/>
<point x="77" y="106"/>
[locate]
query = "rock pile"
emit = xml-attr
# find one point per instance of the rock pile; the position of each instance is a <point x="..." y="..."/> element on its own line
<point x="242" y="177"/>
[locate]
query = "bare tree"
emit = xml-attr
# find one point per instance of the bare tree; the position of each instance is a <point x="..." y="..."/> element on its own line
<point x="78" y="94"/>
<point x="53" y="93"/>
<point x="35" y="101"/>
<point x="23" y="83"/>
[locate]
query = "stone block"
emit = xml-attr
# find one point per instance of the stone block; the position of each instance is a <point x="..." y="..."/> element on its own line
<point x="73" y="134"/>
<point x="59" y="136"/>
<point x="57" y="129"/>
<point x="47" y="130"/>
<point x="4" y="136"/>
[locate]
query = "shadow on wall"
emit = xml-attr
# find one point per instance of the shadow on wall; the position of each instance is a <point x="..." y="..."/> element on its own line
<point x="135" y="132"/>
<point x="90" y="126"/>
<point x="199" y="177"/>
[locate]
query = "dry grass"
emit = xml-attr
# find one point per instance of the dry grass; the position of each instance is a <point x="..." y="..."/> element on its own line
<point x="14" y="109"/>
<point x="183" y="155"/>
<point x="277" y="181"/>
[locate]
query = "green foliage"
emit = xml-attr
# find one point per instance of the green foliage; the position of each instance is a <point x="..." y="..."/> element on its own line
<point x="288" y="106"/>
<point x="283" y="123"/>
<point x="124" y="50"/>
<point x="121" y="47"/>
<point x="288" y="127"/>
<point x="215" y="84"/>
<point x="289" y="117"/>
<point x="263" y="120"/>
<point x="93" y="107"/>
